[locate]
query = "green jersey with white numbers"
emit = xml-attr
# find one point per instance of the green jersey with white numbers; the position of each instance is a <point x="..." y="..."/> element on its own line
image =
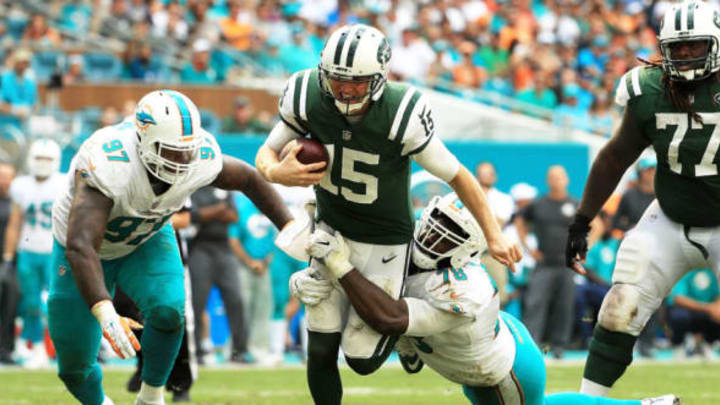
<point x="687" y="181"/>
<point x="366" y="192"/>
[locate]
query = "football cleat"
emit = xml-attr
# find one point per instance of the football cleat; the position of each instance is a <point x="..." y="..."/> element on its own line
<point x="663" y="400"/>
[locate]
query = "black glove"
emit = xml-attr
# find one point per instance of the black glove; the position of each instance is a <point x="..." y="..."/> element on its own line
<point x="5" y="270"/>
<point x="577" y="239"/>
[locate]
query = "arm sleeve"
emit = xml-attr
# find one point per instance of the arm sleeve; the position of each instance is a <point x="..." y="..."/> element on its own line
<point x="420" y="127"/>
<point x="426" y="320"/>
<point x="437" y="159"/>
<point x="289" y="105"/>
<point x="280" y="135"/>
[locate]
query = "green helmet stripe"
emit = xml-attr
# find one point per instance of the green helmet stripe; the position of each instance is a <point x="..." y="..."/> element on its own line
<point x="339" y="47"/>
<point x="691" y="16"/>
<point x="678" y="26"/>
<point x="353" y="46"/>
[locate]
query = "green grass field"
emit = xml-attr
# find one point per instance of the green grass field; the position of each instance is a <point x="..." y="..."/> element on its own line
<point x="697" y="384"/>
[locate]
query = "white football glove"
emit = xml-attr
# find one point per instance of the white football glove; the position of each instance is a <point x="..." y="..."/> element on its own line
<point x="308" y="289"/>
<point x="332" y="250"/>
<point x="117" y="329"/>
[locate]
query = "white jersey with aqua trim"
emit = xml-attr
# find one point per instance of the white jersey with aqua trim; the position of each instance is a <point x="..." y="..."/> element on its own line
<point x="35" y="200"/>
<point x="109" y="162"/>
<point x="477" y="352"/>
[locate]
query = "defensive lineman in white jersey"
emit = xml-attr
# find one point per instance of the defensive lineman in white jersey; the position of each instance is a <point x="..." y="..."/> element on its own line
<point x="28" y="238"/>
<point x="111" y="228"/>
<point x="449" y="316"/>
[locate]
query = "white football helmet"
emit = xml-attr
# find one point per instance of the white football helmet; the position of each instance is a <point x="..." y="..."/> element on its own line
<point x="43" y="158"/>
<point x="692" y="21"/>
<point x="355" y="53"/>
<point x="168" y="126"/>
<point x="447" y="235"/>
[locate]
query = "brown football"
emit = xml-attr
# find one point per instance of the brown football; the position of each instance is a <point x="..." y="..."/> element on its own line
<point x="312" y="152"/>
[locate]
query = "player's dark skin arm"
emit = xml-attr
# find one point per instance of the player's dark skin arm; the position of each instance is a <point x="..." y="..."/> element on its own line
<point x="238" y="175"/>
<point x="378" y="309"/>
<point x="611" y="163"/>
<point x="86" y="226"/>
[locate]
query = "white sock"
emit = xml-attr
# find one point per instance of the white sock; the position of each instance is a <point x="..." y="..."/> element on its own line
<point x="592" y="388"/>
<point x="151" y="395"/>
<point x="278" y="333"/>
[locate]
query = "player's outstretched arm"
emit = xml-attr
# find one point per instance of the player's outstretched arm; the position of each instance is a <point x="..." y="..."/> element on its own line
<point x="468" y="190"/>
<point x="238" y="175"/>
<point x="86" y="226"/>
<point x="613" y="160"/>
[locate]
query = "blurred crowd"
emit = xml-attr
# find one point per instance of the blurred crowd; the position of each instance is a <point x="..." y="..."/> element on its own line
<point x="558" y="60"/>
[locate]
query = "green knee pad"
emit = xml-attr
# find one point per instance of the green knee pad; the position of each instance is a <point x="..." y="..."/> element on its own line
<point x="165" y="318"/>
<point x="610" y="354"/>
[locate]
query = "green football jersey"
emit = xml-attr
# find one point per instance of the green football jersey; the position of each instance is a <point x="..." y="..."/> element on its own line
<point x="366" y="193"/>
<point x="687" y="182"/>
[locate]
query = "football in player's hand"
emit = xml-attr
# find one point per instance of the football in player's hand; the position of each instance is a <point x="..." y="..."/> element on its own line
<point x="312" y="151"/>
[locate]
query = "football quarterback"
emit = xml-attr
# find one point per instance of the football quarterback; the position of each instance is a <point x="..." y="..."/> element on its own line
<point x="372" y="130"/>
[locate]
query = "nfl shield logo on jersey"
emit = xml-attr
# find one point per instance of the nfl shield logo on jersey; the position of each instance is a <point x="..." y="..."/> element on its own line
<point x="346" y="135"/>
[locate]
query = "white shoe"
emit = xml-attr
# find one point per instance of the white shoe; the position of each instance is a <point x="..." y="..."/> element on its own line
<point x="38" y="357"/>
<point x="663" y="400"/>
<point x="107" y="401"/>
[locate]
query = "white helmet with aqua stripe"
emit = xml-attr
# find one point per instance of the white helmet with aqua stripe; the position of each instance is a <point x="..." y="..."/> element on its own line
<point x="168" y="127"/>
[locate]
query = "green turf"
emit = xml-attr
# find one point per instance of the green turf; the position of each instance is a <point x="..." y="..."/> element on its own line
<point x="696" y="383"/>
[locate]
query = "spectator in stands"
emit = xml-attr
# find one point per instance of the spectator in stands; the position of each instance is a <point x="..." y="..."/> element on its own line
<point x="237" y="26"/>
<point x="9" y="290"/>
<point x="138" y="10"/>
<point x="143" y="66"/>
<point x="18" y="90"/>
<point x="75" y="16"/>
<point x="212" y="262"/>
<point x="299" y="54"/>
<point x="38" y="33"/>
<point x="466" y="73"/>
<point x="118" y="24"/>
<point x="569" y="114"/>
<point x="203" y="25"/>
<point x="75" y="73"/>
<point x="599" y="264"/>
<point x="491" y="56"/>
<point x="539" y="95"/>
<point x="694" y="308"/>
<point x="198" y="70"/>
<point x="251" y="239"/>
<point x="501" y="205"/>
<point x="549" y="309"/>
<point x="170" y="24"/>
<point x="412" y="57"/>
<point x="243" y="120"/>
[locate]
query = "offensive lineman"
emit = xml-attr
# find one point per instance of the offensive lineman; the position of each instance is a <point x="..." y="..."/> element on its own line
<point x="673" y="107"/>
<point x="29" y="234"/>
<point x="371" y="129"/>
<point x="111" y="227"/>
<point x="449" y="316"/>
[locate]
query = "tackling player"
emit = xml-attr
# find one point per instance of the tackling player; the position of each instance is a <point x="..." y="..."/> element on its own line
<point x="29" y="233"/>
<point x="673" y="106"/>
<point x="372" y="129"/>
<point x="111" y="228"/>
<point x="449" y="316"/>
